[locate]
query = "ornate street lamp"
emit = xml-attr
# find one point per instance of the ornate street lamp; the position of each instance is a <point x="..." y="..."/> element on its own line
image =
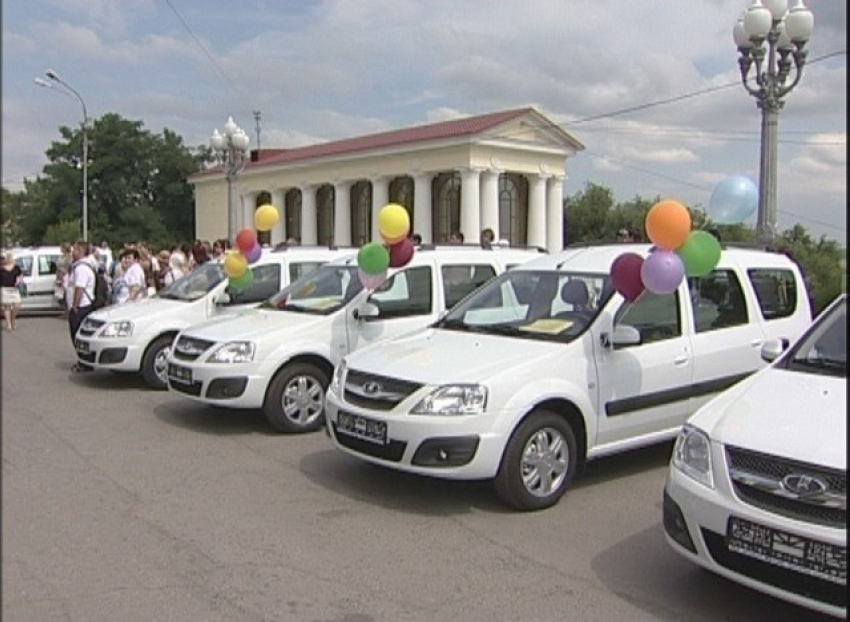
<point x="54" y="77"/>
<point x="786" y="33"/>
<point x="231" y="149"/>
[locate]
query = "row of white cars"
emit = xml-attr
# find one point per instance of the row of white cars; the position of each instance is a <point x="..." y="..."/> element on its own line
<point x="519" y="367"/>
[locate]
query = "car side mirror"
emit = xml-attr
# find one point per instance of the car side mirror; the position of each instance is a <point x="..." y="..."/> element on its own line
<point x="625" y="335"/>
<point x="773" y="349"/>
<point x="222" y="299"/>
<point x="366" y="311"/>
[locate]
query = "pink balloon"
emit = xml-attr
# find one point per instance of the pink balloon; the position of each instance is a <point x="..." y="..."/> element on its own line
<point x="625" y="275"/>
<point x="254" y="254"/>
<point x="401" y="253"/>
<point x="662" y="272"/>
<point x="371" y="281"/>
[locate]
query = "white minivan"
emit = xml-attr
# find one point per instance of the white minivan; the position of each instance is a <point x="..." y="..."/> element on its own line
<point x="546" y="367"/>
<point x="136" y="337"/>
<point x="38" y="267"/>
<point x="280" y="357"/>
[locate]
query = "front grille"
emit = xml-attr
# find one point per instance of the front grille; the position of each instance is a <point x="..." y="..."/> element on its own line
<point x="89" y="327"/>
<point x="777" y="576"/>
<point x="757" y="481"/>
<point x="392" y="451"/>
<point x="376" y="392"/>
<point x="190" y="348"/>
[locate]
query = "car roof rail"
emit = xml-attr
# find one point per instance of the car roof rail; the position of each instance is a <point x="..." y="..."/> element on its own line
<point x="431" y="246"/>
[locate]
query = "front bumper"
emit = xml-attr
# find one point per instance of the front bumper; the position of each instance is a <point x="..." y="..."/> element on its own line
<point x="697" y="515"/>
<point x="238" y="385"/>
<point x="116" y="353"/>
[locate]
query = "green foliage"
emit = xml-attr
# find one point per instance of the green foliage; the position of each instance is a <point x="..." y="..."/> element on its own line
<point x="64" y="231"/>
<point x="821" y="263"/>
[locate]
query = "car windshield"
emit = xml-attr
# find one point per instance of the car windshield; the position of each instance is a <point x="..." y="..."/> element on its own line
<point x="527" y="304"/>
<point x="320" y="292"/>
<point x="823" y="350"/>
<point x="197" y="284"/>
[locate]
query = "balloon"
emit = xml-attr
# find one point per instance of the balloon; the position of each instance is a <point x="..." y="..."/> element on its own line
<point x="733" y="200"/>
<point x="393" y="222"/>
<point x="235" y="265"/>
<point x="373" y="258"/>
<point x="668" y="224"/>
<point x="401" y="253"/>
<point x="266" y="217"/>
<point x="372" y="281"/>
<point x="390" y="241"/>
<point x="662" y="272"/>
<point x="700" y="253"/>
<point x="254" y="254"/>
<point x="625" y="275"/>
<point x="246" y="239"/>
<point x="241" y="282"/>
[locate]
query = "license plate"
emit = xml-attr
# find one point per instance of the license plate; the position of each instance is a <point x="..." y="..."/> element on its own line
<point x="811" y="557"/>
<point x="362" y="427"/>
<point x="82" y="346"/>
<point x="179" y="374"/>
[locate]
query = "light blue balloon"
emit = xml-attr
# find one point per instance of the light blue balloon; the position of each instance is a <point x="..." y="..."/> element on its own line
<point x="733" y="200"/>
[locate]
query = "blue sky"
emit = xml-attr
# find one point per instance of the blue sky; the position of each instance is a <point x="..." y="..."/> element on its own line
<point x="332" y="69"/>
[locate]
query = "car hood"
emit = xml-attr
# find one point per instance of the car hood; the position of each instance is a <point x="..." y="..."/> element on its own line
<point x="141" y="309"/>
<point x="436" y="356"/>
<point x="255" y="325"/>
<point x="796" y="415"/>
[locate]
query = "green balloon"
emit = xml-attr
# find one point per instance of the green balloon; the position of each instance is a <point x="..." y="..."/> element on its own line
<point x="243" y="281"/>
<point x="700" y="253"/>
<point x="373" y="258"/>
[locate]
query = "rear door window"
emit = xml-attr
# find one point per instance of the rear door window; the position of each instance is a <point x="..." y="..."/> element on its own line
<point x="776" y="291"/>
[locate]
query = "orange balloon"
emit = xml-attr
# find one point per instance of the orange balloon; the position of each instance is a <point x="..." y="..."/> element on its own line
<point x="668" y="224"/>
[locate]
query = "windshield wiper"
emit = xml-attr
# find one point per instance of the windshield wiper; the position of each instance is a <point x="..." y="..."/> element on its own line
<point x="502" y="329"/>
<point x="822" y="362"/>
<point x="455" y="325"/>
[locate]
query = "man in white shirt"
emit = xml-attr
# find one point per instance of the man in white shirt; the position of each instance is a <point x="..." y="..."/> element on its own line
<point x="80" y="290"/>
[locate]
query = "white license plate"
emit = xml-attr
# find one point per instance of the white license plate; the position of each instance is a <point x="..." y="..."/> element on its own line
<point x="361" y="427"/>
<point x="179" y="374"/>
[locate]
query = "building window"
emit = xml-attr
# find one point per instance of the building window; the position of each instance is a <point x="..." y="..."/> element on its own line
<point x="361" y="212"/>
<point x="446" y="218"/>
<point x="263" y="237"/>
<point x="513" y="208"/>
<point x="325" y="215"/>
<point x="401" y="192"/>
<point x="293" y="213"/>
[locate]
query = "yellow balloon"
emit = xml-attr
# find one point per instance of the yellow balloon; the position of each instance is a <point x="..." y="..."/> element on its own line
<point x="235" y="265"/>
<point x="266" y="217"/>
<point x="393" y="221"/>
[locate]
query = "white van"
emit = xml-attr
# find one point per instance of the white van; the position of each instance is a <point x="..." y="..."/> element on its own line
<point x="547" y="367"/>
<point x="280" y="357"/>
<point x="38" y="265"/>
<point x="135" y="337"/>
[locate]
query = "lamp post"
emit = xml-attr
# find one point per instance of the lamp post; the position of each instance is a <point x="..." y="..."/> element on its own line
<point x="54" y="77"/>
<point x="786" y="33"/>
<point x="231" y="147"/>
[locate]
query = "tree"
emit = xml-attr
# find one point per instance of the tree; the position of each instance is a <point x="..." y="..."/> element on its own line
<point x="586" y="214"/>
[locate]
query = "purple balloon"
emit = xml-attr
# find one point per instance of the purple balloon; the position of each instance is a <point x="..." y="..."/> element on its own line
<point x="401" y="253"/>
<point x="662" y="272"/>
<point x="625" y="275"/>
<point x="254" y="254"/>
<point x="371" y="281"/>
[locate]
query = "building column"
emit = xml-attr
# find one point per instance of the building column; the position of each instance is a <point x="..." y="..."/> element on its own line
<point x="423" y="207"/>
<point x="342" y="213"/>
<point x="249" y="206"/>
<point x="490" y="201"/>
<point x="309" y="233"/>
<point x="470" y="204"/>
<point x="279" y="230"/>
<point x="537" y="210"/>
<point x="380" y="197"/>
<point x="555" y="213"/>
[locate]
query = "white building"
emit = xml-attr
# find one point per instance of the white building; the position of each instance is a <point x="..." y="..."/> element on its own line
<point x="504" y="171"/>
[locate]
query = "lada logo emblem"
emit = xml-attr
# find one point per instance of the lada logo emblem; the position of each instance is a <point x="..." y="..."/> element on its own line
<point x="370" y="388"/>
<point x="803" y="486"/>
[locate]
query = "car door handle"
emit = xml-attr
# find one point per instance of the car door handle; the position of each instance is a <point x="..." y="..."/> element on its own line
<point x="681" y="360"/>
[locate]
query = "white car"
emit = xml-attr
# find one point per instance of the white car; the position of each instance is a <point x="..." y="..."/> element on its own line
<point x="280" y="357"/>
<point x="38" y="267"/>
<point x="757" y="487"/>
<point x="136" y="337"/>
<point x="545" y="367"/>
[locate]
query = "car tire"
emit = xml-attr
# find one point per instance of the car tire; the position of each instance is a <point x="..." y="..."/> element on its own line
<point x="295" y="400"/>
<point x="539" y="462"/>
<point x="154" y="366"/>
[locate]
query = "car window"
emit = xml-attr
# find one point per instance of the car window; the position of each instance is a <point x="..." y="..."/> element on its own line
<point x="461" y="279"/>
<point x="656" y="316"/>
<point x="823" y="350"/>
<point x="197" y="284"/>
<point x="406" y="293"/>
<point x="47" y="264"/>
<point x="297" y="269"/>
<point x="24" y="263"/>
<point x="718" y="301"/>
<point x="776" y="291"/>
<point x="320" y="292"/>
<point x="266" y="283"/>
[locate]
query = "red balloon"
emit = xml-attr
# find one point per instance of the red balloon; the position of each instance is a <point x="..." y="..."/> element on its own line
<point x="401" y="253"/>
<point x="246" y="239"/>
<point x="625" y="275"/>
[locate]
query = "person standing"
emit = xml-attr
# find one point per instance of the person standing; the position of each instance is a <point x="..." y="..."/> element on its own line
<point x="132" y="284"/>
<point x="11" y="278"/>
<point x="80" y="292"/>
<point x="487" y="238"/>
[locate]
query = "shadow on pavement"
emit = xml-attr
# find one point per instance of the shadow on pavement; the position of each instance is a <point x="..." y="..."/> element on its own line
<point x="645" y="564"/>
<point x="626" y="463"/>
<point x="105" y="380"/>
<point x="210" y="420"/>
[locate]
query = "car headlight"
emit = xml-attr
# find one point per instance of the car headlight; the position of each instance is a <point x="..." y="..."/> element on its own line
<point x="338" y="377"/>
<point x="692" y="455"/>
<point x="117" y="329"/>
<point x="233" y="352"/>
<point x="453" y="399"/>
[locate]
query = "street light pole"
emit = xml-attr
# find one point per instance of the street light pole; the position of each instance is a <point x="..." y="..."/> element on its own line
<point x="786" y="33"/>
<point x="231" y="148"/>
<point x="55" y="78"/>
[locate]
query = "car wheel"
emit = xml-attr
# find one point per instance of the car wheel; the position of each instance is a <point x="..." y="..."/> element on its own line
<point x="295" y="401"/>
<point x="155" y="365"/>
<point x="539" y="462"/>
